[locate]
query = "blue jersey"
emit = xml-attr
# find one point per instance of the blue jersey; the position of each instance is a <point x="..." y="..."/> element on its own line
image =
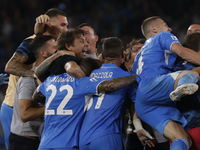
<point x="155" y="57"/>
<point x="104" y="113"/>
<point x="23" y="49"/>
<point x="154" y="65"/>
<point x="64" y="109"/>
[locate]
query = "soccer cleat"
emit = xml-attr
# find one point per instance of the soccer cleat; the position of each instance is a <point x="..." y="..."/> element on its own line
<point x="185" y="89"/>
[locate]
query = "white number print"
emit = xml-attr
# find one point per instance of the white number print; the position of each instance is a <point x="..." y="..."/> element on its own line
<point x="60" y="109"/>
<point x="167" y="53"/>
<point x="89" y="101"/>
<point x="140" y="65"/>
<point x="53" y="94"/>
<point x="99" y="101"/>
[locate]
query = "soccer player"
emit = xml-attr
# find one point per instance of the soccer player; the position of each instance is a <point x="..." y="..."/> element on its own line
<point x="92" y="38"/>
<point x="153" y="64"/>
<point x="64" y="106"/>
<point x="102" y="125"/>
<point x="72" y="41"/>
<point x="132" y="49"/>
<point x="193" y="28"/>
<point x="21" y="62"/>
<point x="27" y="115"/>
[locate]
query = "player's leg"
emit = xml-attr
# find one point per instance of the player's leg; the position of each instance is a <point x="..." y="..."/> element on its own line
<point x="179" y="137"/>
<point x="185" y="84"/>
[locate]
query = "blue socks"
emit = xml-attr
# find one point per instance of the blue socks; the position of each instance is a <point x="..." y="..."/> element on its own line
<point x="179" y="144"/>
<point x="187" y="78"/>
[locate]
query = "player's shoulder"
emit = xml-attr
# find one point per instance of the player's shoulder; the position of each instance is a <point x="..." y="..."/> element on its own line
<point x="122" y="71"/>
<point x="26" y="41"/>
<point x="30" y="37"/>
<point x="164" y="34"/>
<point x="26" y="81"/>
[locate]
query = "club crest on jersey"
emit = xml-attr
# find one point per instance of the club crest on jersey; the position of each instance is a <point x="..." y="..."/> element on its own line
<point x="174" y="37"/>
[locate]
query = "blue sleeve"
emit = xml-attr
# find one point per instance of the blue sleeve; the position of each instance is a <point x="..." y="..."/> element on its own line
<point x="131" y="91"/>
<point x="90" y="85"/>
<point x="23" y="49"/>
<point x="166" y="39"/>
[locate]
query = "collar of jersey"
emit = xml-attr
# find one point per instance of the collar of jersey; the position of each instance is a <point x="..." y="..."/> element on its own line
<point x="109" y="66"/>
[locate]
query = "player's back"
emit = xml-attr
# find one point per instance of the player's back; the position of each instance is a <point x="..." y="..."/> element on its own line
<point x="155" y="57"/>
<point x="104" y="113"/>
<point x="64" y="109"/>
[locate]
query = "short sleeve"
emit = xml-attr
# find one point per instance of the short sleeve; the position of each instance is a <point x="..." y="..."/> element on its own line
<point x="167" y="39"/>
<point x="27" y="87"/>
<point x="23" y="49"/>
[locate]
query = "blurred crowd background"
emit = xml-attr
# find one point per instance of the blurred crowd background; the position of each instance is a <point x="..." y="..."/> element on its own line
<point x="121" y="18"/>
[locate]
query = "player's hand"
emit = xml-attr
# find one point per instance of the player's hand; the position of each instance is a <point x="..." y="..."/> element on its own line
<point x="4" y="78"/>
<point x="64" y="52"/>
<point x="42" y="19"/>
<point x="145" y="137"/>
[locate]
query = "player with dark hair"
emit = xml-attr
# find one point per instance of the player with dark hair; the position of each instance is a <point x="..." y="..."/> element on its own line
<point x="70" y="41"/>
<point x="27" y="116"/>
<point x="102" y="124"/>
<point x="92" y="38"/>
<point x="21" y="62"/>
<point x="64" y="106"/>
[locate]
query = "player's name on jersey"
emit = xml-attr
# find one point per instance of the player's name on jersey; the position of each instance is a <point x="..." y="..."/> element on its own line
<point x="61" y="79"/>
<point x="102" y="75"/>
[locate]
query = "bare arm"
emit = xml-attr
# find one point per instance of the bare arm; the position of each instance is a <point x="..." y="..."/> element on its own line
<point x="73" y="69"/>
<point x="42" y="70"/>
<point x="116" y="84"/>
<point x="186" y="53"/>
<point x="142" y="134"/>
<point x="40" y="24"/>
<point x="27" y="112"/>
<point x="17" y="67"/>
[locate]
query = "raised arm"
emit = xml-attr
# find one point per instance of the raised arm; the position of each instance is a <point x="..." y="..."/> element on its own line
<point x="116" y="84"/>
<point x="17" y="67"/>
<point x="186" y="53"/>
<point x="40" y="24"/>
